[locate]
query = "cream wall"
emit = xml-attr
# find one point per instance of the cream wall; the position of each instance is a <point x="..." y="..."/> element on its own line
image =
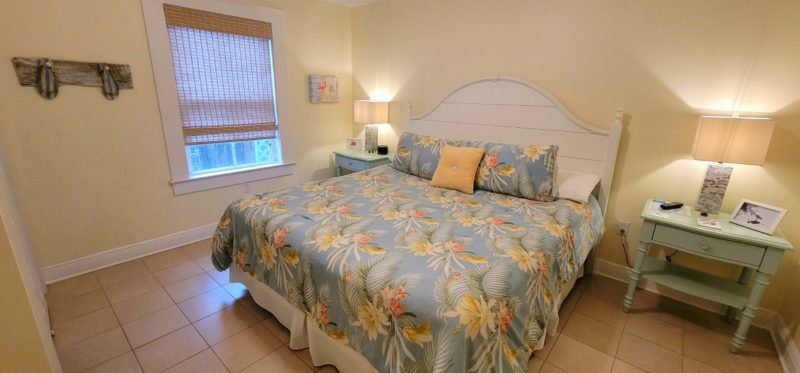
<point x="23" y="349"/>
<point x="665" y="63"/>
<point x="91" y="174"/>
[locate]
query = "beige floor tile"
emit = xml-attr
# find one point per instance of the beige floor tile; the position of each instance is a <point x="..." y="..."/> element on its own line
<point x="648" y="355"/>
<point x="693" y="366"/>
<point x="72" y="287"/>
<point x="549" y="342"/>
<point x="305" y="355"/>
<point x="93" y="351"/>
<point x="125" y="363"/>
<point x="656" y="330"/>
<point x="195" y="285"/>
<point x="206" y="304"/>
<point x="165" y="259"/>
<point x="594" y="333"/>
<point x="606" y="288"/>
<point x="222" y="278"/>
<point x="566" y="309"/>
<point x="77" y="306"/>
<point x="132" y="287"/>
<point x="260" y="313"/>
<point x="205" y="263"/>
<point x="282" y="360"/>
<point x="198" y="249"/>
<point x="122" y="272"/>
<point x="573" y="356"/>
<point x="550" y="368"/>
<point x="603" y="310"/>
<point x="247" y="347"/>
<point x="236" y="290"/>
<point x="663" y="308"/>
<point x="534" y="365"/>
<point x="83" y="327"/>
<point x="154" y="326"/>
<point x="170" y="349"/>
<point x="623" y="367"/>
<point x="277" y="328"/>
<point x="204" y="362"/>
<point x="142" y="305"/>
<point x="223" y="324"/>
<point x="765" y="364"/>
<point x="178" y="272"/>
<point x="713" y="352"/>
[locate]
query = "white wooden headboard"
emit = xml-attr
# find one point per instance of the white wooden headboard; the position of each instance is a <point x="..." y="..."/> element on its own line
<point x="512" y="111"/>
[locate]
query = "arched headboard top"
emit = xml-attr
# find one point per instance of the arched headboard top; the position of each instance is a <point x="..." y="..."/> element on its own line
<point x="513" y="111"/>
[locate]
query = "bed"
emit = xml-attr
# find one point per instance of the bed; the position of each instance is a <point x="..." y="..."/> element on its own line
<point x="380" y="271"/>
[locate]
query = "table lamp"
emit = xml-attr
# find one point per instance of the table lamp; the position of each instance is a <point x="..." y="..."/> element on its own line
<point x="734" y="139"/>
<point x="370" y="113"/>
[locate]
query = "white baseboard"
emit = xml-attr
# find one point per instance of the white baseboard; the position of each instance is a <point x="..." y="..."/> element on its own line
<point x="765" y="318"/>
<point x="72" y="268"/>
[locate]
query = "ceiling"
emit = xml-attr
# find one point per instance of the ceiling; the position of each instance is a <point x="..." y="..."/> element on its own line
<point x="352" y="3"/>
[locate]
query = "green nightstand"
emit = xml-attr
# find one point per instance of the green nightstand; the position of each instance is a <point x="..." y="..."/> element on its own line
<point x="358" y="160"/>
<point x="732" y="244"/>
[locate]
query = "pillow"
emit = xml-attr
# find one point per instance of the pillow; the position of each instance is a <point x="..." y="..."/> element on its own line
<point x="526" y="171"/>
<point x="576" y="186"/>
<point x="418" y="155"/>
<point x="456" y="169"/>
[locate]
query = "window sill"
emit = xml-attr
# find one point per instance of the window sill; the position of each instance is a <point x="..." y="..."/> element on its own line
<point x="233" y="177"/>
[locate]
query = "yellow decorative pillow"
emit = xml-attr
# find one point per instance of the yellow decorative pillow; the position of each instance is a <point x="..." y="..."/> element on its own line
<point x="457" y="167"/>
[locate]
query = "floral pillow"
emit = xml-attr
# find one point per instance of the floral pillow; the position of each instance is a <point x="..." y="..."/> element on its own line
<point x="526" y="171"/>
<point x="419" y="155"/>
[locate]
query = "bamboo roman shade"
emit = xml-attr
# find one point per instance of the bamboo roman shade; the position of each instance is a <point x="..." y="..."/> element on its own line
<point x="223" y="73"/>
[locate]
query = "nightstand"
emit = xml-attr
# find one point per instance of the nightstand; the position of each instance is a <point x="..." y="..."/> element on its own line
<point x="358" y="160"/>
<point x="733" y="244"/>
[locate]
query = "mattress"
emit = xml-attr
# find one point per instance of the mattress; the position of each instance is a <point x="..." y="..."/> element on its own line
<point x="413" y="277"/>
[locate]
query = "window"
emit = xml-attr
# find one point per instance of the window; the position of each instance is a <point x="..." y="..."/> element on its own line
<point x="219" y="90"/>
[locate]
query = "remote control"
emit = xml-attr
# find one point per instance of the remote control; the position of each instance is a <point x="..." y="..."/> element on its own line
<point x="671" y="205"/>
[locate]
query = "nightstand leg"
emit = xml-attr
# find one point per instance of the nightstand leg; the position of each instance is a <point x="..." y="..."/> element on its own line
<point x="762" y="280"/>
<point x="635" y="273"/>
<point x="730" y="313"/>
<point x="338" y="171"/>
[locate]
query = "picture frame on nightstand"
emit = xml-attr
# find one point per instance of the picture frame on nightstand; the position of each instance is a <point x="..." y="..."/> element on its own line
<point x="757" y="216"/>
<point x="354" y="144"/>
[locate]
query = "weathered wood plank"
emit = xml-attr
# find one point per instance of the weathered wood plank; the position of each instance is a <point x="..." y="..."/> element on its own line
<point x="72" y="73"/>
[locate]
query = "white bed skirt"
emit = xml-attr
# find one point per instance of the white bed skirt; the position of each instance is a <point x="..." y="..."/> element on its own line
<point x="324" y="349"/>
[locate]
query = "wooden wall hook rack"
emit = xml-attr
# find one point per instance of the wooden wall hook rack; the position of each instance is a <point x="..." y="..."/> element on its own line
<point x="72" y="73"/>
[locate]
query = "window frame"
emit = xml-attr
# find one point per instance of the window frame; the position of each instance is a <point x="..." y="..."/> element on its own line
<point x="166" y="88"/>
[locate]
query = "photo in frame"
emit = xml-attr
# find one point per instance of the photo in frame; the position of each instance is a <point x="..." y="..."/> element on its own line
<point x="757" y="216"/>
<point x="354" y="144"/>
<point x="323" y="89"/>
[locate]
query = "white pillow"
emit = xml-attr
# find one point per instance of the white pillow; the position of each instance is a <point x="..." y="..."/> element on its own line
<point x="576" y="186"/>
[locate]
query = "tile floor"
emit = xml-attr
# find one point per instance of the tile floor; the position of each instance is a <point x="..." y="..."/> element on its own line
<point x="173" y="312"/>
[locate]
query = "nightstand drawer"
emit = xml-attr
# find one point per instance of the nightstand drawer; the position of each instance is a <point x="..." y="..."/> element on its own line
<point x="719" y="248"/>
<point x="350" y="164"/>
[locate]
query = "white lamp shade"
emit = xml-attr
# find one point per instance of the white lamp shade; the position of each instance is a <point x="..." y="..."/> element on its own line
<point x="370" y="112"/>
<point x="733" y="140"/>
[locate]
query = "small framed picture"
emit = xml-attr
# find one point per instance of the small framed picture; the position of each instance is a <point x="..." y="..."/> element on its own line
<point x="323" y="89"/>
<point x="354" y="144"/>
<point x="757" y="216"/>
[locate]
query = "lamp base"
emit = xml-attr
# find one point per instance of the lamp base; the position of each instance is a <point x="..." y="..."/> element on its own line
<point x="371" y="138"/>
<point x="713" y="190"/>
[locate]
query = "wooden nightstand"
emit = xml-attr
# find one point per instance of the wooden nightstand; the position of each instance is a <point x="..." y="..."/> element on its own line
<point x="357" y="160"/>
<point x="733" y="244"/>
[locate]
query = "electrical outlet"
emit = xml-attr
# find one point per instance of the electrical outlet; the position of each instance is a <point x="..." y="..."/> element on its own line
<point x="246" y="187"/>
<point x="624" y="226"/>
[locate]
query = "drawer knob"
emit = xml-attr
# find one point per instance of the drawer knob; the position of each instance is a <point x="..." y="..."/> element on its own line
<point x="705" y="246"/>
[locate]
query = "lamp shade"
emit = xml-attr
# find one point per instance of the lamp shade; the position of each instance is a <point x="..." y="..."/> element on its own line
<point x="733" y="140"/>
<point x="370" y="112"/>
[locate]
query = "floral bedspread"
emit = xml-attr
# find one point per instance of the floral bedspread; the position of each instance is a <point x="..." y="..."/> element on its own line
<point x="413" y="277"/>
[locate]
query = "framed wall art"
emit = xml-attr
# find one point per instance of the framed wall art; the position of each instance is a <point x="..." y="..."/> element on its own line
<point x="323" y="89"/>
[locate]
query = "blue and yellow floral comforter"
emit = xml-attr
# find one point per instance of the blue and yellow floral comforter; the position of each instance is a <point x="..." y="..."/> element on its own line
<point x="413" y="277"/>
